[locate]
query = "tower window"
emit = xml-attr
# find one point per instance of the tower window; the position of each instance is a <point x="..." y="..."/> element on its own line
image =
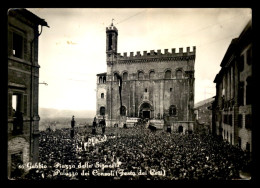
<point x="102" y="95"/>
<point x="170" y="89"/>
<point x="102" y="111"/>
<point x="110" y="42"/>
<point x="145" y="90"/>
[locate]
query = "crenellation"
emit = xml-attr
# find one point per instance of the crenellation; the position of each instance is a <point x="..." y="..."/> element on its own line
<point x="157" y="54"/>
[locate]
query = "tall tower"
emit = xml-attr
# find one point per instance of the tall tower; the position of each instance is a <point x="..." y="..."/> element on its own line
<point x="111" y="53"/>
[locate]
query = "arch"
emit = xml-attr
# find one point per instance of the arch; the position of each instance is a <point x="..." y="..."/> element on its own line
<point x="115" y="76"/>
<point x="168" y="74"/>
<point x="140" y="75"/>
<point x="178" y="73"/>
<point x="145" y="109"/>
<point x="180" y="129"/>
<point x="152" y="75"/>
<point x="102" y="95"/>
<point x="102" y="111"/>
<point x="104" y="80"/>
<point x="172" y="110"/>
<point x="125" y="76"/>
<point x="100" y="79"/>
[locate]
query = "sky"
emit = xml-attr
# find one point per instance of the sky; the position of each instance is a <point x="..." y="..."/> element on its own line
<point x="72" y="49"/>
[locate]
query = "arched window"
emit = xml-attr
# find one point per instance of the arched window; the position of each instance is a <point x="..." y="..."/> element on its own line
<point x="104" y="80"/>
<point x="178" y="74"/>
<point x="172" y="110"/>
<point x="100" y="79"/>
<point x="125" y="76"/>
<point x="168" y="74"/>
<point x="151" y="75"/>
<point x="102" y="95"/>
<point x="140" y="75"/>
<point x="102" y="110"/>
<point x="123" y="111"/>
<point x="115" y="76"/>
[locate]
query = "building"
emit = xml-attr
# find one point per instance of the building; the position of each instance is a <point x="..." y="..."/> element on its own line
<point x="23" y="82"/>
<point x="232" y="108"/>
<point x="203" y="113"/>
<point x="154" y="85"/>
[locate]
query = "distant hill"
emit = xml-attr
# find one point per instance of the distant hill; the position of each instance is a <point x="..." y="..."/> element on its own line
<point x="200" y="103"/>
<point x="57" y="113"/>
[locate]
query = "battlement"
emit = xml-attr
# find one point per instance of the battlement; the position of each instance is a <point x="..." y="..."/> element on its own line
<point x="111" y="28"/>
<point x="157" y="54"/>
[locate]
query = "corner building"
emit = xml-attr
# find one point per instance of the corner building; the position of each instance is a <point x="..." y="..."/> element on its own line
<point x="23" y="88"/>
<point x="232" y="108"/>
<point x="154" y="85"/>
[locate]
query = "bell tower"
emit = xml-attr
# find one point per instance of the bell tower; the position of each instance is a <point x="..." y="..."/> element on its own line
<point x="111" y="58"/>
<point x="111" y="43"/>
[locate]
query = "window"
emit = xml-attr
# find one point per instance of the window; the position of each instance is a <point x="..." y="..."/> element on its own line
<point x="239" y="142"/>
<point x="168" y="74"/>
<point x="140" y="75"/>
<point x="241" y="63"/>
<point x="170" y="89"/>
<point x="249" y="56"/>
<point x="249" y="91"/>
<point x="102" y="95"/>
<point x="152" y="75"/>
<point x="145" y="90"/>
<point x="248" y="123"/>
<point x="230" y="119"/>
<point x="240" y="120"/>
<point x="110" y="42"/>
<point x="241" y="94"/>
<point x="125" y="76"/>
<point x="17" y="45"/>
<point x="123" y="111"/>
<point x="178" y="74"/>
<point x="224" y="133"/>
<point x="115" y="76"/>
<point x="102" y="111"/>
<point x="100" y="79"/>
<point x="230" y="138"/>
<point x="172" y="110"/>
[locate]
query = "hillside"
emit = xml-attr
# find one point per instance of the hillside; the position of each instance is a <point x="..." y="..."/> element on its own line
<point x="56" y="113"/>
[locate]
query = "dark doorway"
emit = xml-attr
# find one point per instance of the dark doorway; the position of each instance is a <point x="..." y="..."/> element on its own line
<point x="180" y="129"/>
<point x="146" y="114"/>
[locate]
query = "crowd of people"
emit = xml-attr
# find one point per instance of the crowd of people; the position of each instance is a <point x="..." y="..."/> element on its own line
<point x="176" y="156"/>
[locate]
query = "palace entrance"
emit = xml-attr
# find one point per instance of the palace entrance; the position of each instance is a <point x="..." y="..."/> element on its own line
<point x="145" y="110"/>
